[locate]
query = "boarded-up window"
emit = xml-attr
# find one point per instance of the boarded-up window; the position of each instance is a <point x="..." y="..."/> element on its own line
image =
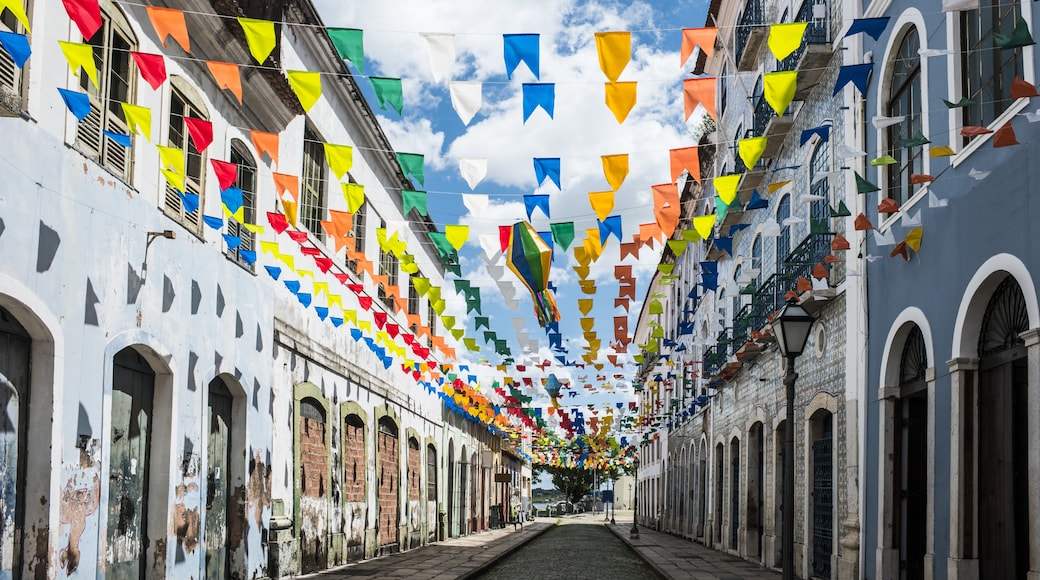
<point x="353" y="459"/>
<point x="414" y="469"/>
<point x="431" y="473"/>
<point x="313" y="453"/>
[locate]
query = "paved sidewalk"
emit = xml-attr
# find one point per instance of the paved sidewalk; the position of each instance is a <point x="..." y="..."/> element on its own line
<point x="453" y="559"/>
<point x="677" y="558"/>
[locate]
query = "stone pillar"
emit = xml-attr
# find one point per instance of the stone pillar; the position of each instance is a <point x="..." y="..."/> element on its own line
<point x="887" y="552"/>
<point x="1032" y="340"/>
<point x="963" y="563"/>
<point x="929" y="535"/>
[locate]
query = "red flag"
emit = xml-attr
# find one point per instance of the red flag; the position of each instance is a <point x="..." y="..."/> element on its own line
<point x="152" y="68"/>
<point x="201" y="132"/>
<point x="86" y="14"/>
<point x="226" y="172"/>
<point x="277" y="221"/>
<point x="504" y="234"/>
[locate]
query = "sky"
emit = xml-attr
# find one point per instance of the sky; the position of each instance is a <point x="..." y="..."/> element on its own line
<point x="581" y="131"/>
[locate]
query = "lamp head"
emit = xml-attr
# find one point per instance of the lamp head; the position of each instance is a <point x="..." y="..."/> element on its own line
<point x="791" y="327"/>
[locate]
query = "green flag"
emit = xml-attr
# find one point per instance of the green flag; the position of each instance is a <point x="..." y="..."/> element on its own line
<point x="414" y="200"/>
<point x="440" y="241"/>
<point x="412" y="165"/>
<point x="563" y="234"/>
<point x="864" y="186"/>
<point x="842" y="211"/>
<point x="349" y="44"/>
<point x="1017" y="39"/>
<point x="388" y="91"/>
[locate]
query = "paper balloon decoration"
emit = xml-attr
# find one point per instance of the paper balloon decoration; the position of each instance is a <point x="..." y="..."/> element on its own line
<point x="553" y="386"/>
<point x="529" y="257"/>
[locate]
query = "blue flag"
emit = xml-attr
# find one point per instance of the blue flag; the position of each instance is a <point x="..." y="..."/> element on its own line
<point x="16" y="45"/>
<point x="611" y="225"/>
<point x="857" y="74"/>
<point x="547" y="167"/>
<point x="519" y="48"/>
<point x="78" y="103"/>
<point x="532" y="202"/>
<point x="539" y="95"/>
<point x="873" y="27"/>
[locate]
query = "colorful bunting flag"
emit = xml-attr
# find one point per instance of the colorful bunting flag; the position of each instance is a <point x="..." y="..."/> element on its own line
<point x="85" y="13"/>
<point x="441" y="50"/>
<point x="79" y="56"/>
<point x="259" y="36"/>
<point x="519" y="48"/>
<point x="340" y="158"/>
<point x="872" y="27"/>
<point x="412" y="164"/>
<point x="201" y="132"/>
<point x="857" y="74"/>
<point x="615" y="51"/>
<point x="78" y="103"/>
<point x="784" y="39"/>
<point x="779" y="88"/>
<point x="306" y="85"/>
<point x="726" y="187"/>
<point x="349" y="44"/>
<point x="265" y="143"/>
<point x="537" y="95"/>
<point x="620" y="99"/>
<point x="414" y="200"/>
<point x="547" y="167"/>
<point x="699" y="91"/>
<point x="687" y="158"/>
<point x="702" y="37"/>
<point x="602" y="203"/>
<point x="169" y="22"/>
<point x="615" y="169"/>
<point x="466" y="99"/>
<point x="16" y="45"/>
<point x="227" y="76"/>
<point x="227" y="173"/>
<point x="563" y="233"/>
<point x="751" y="150"/>
<point x="138" y="119"/>
<point x="18" y="10"/>
<point x="388" y="92"/>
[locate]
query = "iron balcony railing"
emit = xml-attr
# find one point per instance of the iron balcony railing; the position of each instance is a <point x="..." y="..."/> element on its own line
<point x="763" y="114"/>
<point x="713" y="361"/>
<point x="817" y="32"/>
<point x="753" y="16"/>
<point x="745" y="322"/>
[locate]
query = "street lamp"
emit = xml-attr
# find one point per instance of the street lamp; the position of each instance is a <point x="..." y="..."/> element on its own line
<point x="634" y="532"/>
<point x="791" y="327"/>
<point x="613" y="499"/>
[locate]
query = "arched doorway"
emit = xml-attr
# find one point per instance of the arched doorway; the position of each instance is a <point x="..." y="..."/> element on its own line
<point x="756" y="490"/>
<point x="431" y="494"/>
<point x="1003" y="517"/>
<point x="355" y="485"/>
<point x="463" y="478"/>
<point x="313" y="464"/>
<point x="219" y="446"/>
<point x="734" y="493"/>
<point x="702" y="490"/>
<point x="415" y="510"/>
<point x="15" y="358"/>
<point x="451" y="490"/>
<point x="129" y="465"/>
<point x="389" y="457"/>
<point x="779" y="476"/>
<point x="822" y="493"/>
<point x="720" y="452"/>
<point x="909" y="486"/>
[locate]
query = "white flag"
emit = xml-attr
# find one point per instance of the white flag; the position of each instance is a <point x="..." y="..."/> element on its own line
<point x="910" y="221"/>
<point x="934" y="201"/>
<point x="884" y="239"/>
<point x="882" y="122"/>
<point x="441" y="48"/>
<point x="473" y="171"/>
<point x="467" y="99"/>
<point x="954" y="5"/>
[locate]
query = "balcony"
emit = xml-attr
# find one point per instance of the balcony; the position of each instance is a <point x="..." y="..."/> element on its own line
<point x="751" y="35"/>
<point x="775" y="128"/>
<point x="714" y="360"/>
<point x="811" y="59"/>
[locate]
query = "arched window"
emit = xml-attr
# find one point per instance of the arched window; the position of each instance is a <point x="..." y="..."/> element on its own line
<point x="819" y="211"/>
<point x="1005" y="319"/>
<point x="246" y="181"/>
<point x="185" y="103"/>
<point x="116" y="74"/>
<point x="914" y="360"/>
<point x="904" y="100"/>
<point x="783" y="241"/>
<point x="987" y="71"/>
<point x="756" y="260"/>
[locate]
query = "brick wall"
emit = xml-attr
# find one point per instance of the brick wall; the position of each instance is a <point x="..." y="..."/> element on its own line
<point x="353" y="463"/>
<point x="414" y="470"/>
<point x="389" y="480"/>
<point x="314" y="458"/>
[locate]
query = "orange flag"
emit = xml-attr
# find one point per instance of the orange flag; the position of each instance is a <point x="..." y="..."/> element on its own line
<point x="265" y="143"/>
<point x="686" y="158"/>
<point x="1005" y="136"/>
<point x="666" y="207"/>
<point x="699" y="92"/>
<point x="650" y="232"/>
<point x="702" y="37"/>
<point x="227" y="77"/>
<point x="284" y="183"/>
<point x="169" y="22"/>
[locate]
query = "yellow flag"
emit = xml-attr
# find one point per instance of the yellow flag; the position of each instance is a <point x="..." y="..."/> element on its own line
<point x="587" y="323"/>
<point x="80" y="55"/>
<point x="256" y="229"/>
<point x="780" y="88"/>
<point x="320" y="287"/>
<point x="434" y="293"/>
<point x="585" y="306"/>
<point x="615" y="50"/>
<point x="350" y="316"/>
<point x="751" y="150"/>
<point x="438" y="306"/>
<point x="355" y="194"/>
<point x="269" y="248"/>
<point x="456" y="235"/>
<point x="174" y="178"/>
<point x="305" y="274"/>
<point x="290" y="211"/>
<point x="776" y="185"/>
<point x="172" y="158"/>
<point x="259" y="36"/>
<point x="288" y="260"/>
<point x="421" y="285"/>
<point x="620" y="97"/>
<point x="726" y="187"/>
<point x="913" y="239"/>
<point x="615" y="169"/>
<point x="306" y="85"/>
<point x="340" y="157"/>
<point x="592" y="243"/>
<point x="449" y="321"/>
<point x="941" y="151"/>
<point x="365" y="326"/>
<point x="703" y="224"/>
<point x="138" y="120"/>
<point x="602" y="203"/>
<point x="691" y="236"/>
<point x="785" y="38"/>
<point x="335" y="299"/>
<point x="16" y="8"/>
<point x="239" y="216"/>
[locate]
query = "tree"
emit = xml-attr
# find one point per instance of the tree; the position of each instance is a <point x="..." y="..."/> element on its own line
<point x="574" y="483"/>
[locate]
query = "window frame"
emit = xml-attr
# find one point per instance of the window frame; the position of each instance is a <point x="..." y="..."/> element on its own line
<point x="388" y="266"/>
<point x="240" y="155"/>
<point x="314" y="180"/>
<point x="194" y="169"/>
<point x="990" y="60"/>
<point x="819" y="162"/>
<point x="904" y="96"/>
<point x="9" y="23"/>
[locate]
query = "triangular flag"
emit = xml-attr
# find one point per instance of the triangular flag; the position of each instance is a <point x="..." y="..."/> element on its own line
<point x="615" y="169"/>
<point x="349" y="44"/>
<point x="441" y="50"/>
<point x="201" y="132"/>
<point x="547" y="167"/>
<point x="700" y="91"/>
<point x="779" y="89"/>
<point x="537" y="95"/>
<point x="857" y="74"/>
<point x="620" y="99"/>
<point x="340" y="158"/>
<point x="456" y="235"/>
<point x="227" y="173"/>
<point x="873" y="27"/>
<point x="414" y="199"/>
<point x="702" y="37"/>
<point x="864" y="186"/>
<point x="80" y="55"/>
<point x="666" y="207"/>
<point x="1005" y="136"/>
<point x="1021" y="89"/>
<point x="284" y="183"/>
<point x="615" y="51"/>
<point x="172" y="158"/>
<point x="533" y="202"/>
<point x="260" y="37"/>
<point x="227" y="76"/>
<point x="388" y="92"/>
<point x="466" y="98"/>
<point x="686" y="158"/>
<point x="941" y="151"/>
<point x="519" y="48"/>
<point x="726" y="187"/>
<point x="751" y="150"/>
<point x="563" y="233"/>
<point x="703" y="224"/>
<point x="17" y="8"/>
<point x="1017" y="39"/>
<point x="863" y="223"/>
<point x="412" y="164"/>
<point x="784" y="39"/>
<point x="602" y="203"/>
<point x="78" y="103"/>
<point x="306" y="85"/>
<point x="473" y="171"/>
<point x="138" y="119"/>
<point x="169" y="22"/>
<point x="265" y="143"/>
<point x="85" y="13"/>
<point x="16" y="45"/>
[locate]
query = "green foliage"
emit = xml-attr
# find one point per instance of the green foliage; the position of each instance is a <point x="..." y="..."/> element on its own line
<point x="574" y="483"/>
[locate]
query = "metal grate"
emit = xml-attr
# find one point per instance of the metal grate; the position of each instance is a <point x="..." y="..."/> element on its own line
<point x="823" y="502"/>
<point x="914" y="360"/>
<point x="1005" y="318"/>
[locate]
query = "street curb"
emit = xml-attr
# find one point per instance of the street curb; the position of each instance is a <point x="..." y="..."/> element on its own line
<point x="506" y="553"/>
<point x="624" y="538"/>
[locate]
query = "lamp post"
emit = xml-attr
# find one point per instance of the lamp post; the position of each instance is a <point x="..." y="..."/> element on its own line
<point x="791" y="327"/>
<point x="634" y="532"/>
<point x="613" y="499"/>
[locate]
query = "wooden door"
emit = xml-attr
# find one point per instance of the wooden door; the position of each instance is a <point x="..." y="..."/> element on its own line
<point x="218" y="480"/>
<point x="15" y="349"/>
<point x="911" y="472"/>
<point x="133" y="384"/>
